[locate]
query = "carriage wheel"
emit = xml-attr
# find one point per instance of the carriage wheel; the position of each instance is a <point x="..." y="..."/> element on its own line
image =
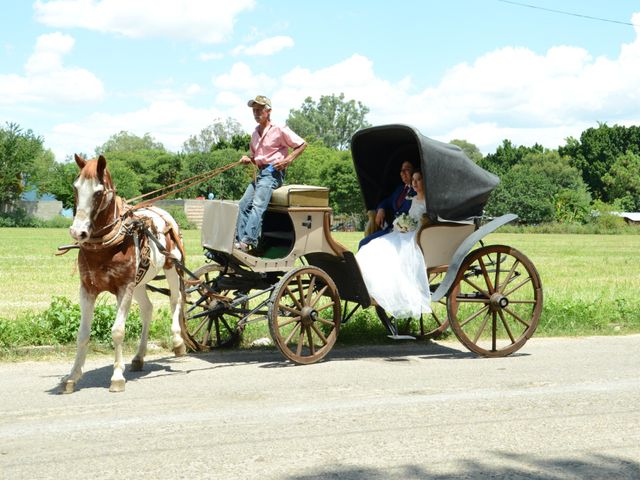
<point x="304" y="317"/>
<point x="496" y="301"/>
<point x="431" y="325"/>
<point x="204" y="325"/>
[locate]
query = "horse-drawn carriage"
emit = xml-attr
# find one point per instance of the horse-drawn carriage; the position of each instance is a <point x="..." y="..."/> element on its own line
<point x="306" y="284"/>
<point x="301" y="280"/>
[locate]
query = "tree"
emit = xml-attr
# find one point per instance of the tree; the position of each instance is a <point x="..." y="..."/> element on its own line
<point x="339" y="175"/>
<point x="43" y="165"/>
<point x="18" y="153"/>
<point x="327" y="167"/>
<point x="238" y="142"/>
<point x="331" y="120"/>
<point x="507" y="155"/>
<point x="219" y="135"/>
<point x="469" y="149"/>
<point x="128" y="142"/>
<point x="622" y="182"/>
<point x="541" y="187"/>
<point x="229" y="184"/>
<point x="60" y="183"/>
<point x="596" y="152"/>
<point x="306" y="168"/>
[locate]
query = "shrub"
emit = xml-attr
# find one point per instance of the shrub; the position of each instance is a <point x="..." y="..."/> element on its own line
<point x="19" y="218"/>
<point x="63" y="319"/>
<point x="57" y="222"/>
<point x="180" y="217"/>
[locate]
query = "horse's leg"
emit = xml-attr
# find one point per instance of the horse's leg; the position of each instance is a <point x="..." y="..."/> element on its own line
<point x="125" y="296"/>
<point x="87" y="306"/>
<point x="146" y="313"/>
<point x="176" y="298"/>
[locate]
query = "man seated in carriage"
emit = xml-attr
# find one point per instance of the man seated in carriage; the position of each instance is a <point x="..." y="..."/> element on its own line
<point x="397" y="203"/>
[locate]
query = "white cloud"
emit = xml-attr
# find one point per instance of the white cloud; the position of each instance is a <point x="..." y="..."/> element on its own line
<point x="169" y="121"/>
<point x="241" y="78"/>
<point x="510" y="93"/>
<point x="266" y="47"/>
<point x="47" y="79"/>
<point x="207" y="21"/>
<point x="208" y="56"/>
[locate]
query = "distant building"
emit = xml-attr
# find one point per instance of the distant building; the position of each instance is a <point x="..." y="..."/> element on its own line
<point x="44" y="207"/>
<point x="632" y="218"/>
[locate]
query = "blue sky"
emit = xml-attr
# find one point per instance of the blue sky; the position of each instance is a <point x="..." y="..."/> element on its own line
<point x="78" y="71"/>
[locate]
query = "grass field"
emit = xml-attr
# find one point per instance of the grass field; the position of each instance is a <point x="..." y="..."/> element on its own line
<point x="590" y="281"/>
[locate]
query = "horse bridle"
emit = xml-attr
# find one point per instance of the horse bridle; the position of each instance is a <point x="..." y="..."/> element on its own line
<point x="104" y="204"/>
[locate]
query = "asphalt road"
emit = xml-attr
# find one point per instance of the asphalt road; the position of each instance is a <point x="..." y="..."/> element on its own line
<point x="558" y="409"/>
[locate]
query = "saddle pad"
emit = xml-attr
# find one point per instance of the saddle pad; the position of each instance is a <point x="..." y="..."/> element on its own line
<point x="300" y="196"/>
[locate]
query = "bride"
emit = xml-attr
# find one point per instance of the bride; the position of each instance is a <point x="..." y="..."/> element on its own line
<point x="393" y="266"/>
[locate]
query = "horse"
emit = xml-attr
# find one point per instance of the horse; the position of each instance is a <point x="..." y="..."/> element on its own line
<point x="121" y="248"/>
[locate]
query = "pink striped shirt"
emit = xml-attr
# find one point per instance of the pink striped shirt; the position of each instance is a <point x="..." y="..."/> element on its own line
<point x="273" y="145"/>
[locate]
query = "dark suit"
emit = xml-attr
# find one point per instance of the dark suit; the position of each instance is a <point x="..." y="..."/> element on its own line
<point x="391" y="204"/>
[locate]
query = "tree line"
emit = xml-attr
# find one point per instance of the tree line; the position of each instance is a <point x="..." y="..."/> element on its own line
<point x="601" y="168"/>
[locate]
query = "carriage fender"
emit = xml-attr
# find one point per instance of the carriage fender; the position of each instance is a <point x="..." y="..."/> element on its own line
<point x="464" y="248"/>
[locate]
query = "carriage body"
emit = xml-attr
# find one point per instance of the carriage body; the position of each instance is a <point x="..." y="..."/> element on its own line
<point x="301" y="279"/>
<point x="297" y="222"/>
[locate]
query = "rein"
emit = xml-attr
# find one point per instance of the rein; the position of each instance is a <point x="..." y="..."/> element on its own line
<point x="186" y="183"/>
<point x="124" y="218"/>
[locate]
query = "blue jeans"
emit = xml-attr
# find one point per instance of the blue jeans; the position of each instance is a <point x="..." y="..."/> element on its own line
<point x="254" y="203"/>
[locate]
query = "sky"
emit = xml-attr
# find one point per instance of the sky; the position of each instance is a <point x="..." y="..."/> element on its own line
<point x="76" y="72"/>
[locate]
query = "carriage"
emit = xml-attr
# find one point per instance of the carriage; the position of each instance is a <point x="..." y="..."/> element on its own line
<point x="306" y="284"/>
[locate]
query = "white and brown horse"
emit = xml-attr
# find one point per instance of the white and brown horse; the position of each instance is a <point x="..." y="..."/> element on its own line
<point x="117" y="256"/>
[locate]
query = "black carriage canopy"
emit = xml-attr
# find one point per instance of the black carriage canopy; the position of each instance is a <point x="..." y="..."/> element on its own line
<point x="455" y="188"/>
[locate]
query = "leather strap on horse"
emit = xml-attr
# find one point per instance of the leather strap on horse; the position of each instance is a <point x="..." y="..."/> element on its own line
<point x="115" y="231"/>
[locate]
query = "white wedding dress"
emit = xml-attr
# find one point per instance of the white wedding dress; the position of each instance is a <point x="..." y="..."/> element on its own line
<point x="394" y="270"/>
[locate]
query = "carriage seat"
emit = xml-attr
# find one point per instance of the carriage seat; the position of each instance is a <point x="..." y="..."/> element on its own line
<point x="439" y="242"/>
<point x="300" y="196"/>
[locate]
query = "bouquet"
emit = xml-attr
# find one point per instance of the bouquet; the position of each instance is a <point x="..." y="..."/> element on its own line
<point x="404" y="223"/>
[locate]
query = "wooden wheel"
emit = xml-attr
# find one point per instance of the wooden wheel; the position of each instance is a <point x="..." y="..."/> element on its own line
<point x="496" y="301"/>
<point x="304" y="317"/>
<point x="207" y="322"/>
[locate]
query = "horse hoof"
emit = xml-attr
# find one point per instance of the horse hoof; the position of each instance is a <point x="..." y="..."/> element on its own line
<point x="67" y="386"/>
<point x="117" y="386"/>
<point x="180" y="350"/>
<point x="136" y="365"/>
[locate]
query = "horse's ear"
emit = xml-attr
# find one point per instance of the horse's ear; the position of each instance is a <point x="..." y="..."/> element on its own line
<point x="80" y="161"/>
<point x="102" y="164"/>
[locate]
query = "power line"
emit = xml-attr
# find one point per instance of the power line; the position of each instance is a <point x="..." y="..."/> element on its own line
<point x="569" y="13"/>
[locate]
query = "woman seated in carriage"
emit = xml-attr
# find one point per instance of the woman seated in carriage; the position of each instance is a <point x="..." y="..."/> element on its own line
<point x="393" y="266"/>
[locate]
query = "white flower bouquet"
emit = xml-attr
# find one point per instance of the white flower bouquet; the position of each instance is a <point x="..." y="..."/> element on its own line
<point x="404" y="223"/>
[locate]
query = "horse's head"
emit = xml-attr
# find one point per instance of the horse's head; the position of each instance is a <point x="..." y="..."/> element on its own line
<point x="94" y="193"/>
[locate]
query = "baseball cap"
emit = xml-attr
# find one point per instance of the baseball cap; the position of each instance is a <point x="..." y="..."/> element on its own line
<point x="260" y="100"/>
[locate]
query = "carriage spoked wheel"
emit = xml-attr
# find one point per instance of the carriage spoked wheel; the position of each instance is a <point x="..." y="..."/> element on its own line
<point x="304" y="317"/>
<point x="496" y="300"/>
<point x="207" y="323"/>
<point x="430" y="325"/>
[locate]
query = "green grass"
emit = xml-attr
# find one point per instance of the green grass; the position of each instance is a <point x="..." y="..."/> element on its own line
<point x="590" y="281"/>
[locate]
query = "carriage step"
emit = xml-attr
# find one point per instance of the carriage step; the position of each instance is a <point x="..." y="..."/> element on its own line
<point x="401" y="337"/>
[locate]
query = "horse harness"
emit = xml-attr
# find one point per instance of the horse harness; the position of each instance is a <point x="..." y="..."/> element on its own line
<point x="141" y="228"/>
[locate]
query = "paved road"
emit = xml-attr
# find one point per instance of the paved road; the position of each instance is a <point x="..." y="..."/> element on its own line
<point x="558" y="409"/>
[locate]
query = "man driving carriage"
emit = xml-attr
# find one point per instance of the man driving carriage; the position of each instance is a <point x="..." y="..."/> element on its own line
<point x="269" y="147"/>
